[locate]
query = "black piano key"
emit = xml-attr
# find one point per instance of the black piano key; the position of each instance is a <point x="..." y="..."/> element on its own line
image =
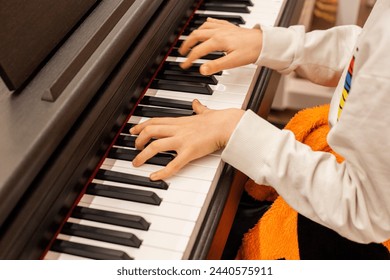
<point x="245" y="2"/>
<point x="157" y="112"/>
<point x="129" y="141"/>
<point x="128" y="194"/>
<point x="173" y="65"/>
<point x="88" y="251"/>
<point x="109" y="217"/>
<point x="102" y="234"/>
<point x="199" y="88"/>
<point x="166" y="102"/>
<point x="187" y="77"/>
<point x="191" y="27"/>
<point x="225" y="7"/>
<point x="125" y="141"/>
<point x="127" y="127"/>
<point x="235" y="19"/>
<point x="198" y="20"/>
<point x="209" y="56"/>
<point x="131" y="179"/>
<point x="178" y="44"/>
<point x="129" y="154"/>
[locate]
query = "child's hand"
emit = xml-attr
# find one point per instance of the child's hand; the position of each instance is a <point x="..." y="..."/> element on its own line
<point x="191" y="137"/>
<point x="242" y="45"/>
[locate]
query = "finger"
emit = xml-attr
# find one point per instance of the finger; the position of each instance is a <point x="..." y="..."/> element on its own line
<point x="198" y="107"/>
<point x="173" y="167"/>
<point x="155" y="147"/>
<point x="154" y="121"/>
<point x="194" y="38"/>
<point x="136" y="129"/>
<point x="153" y="131"/>
<point x="213" y="25"/>
<point x="199" y="51"/>
<point x="219" y="21"/>
<point x="228" y="61"/>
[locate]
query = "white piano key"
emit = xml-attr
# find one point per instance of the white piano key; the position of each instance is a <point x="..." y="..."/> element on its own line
<point x="264" y="12"/>
<point x="157" y="223"/>
<point x="237" y="76"/>
<point x="208" y="161"/>
<point x="137" y="119"/>
<point x="165" y="209"/>
<point x="175" y="182"/>
<point x="150" y="238"/>
<point x="250" y="19"/>
<point x="171" y="195"/>
<point x="52" y="255"/>
<point x="230" y="99"/>
<point x="210" y="103"/>
<point x="201" y="61"/>
<point x="188" y="171"/>
<point x="231" y="88"/>
<point x="143" y="253"/>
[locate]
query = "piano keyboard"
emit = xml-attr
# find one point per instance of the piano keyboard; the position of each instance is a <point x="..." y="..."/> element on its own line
<point x="123" y="215"/>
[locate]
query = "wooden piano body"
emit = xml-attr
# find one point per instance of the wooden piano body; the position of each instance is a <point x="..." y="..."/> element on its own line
<point x="58" y="124"/>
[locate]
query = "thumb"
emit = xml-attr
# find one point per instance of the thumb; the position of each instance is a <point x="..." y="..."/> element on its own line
<point x="207" y="69"/>
<point x="198" y="107"/>
<point x="216" y="65"/>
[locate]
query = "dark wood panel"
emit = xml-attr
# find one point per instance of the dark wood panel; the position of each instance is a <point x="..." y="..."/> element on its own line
<point x="31" y="30"/>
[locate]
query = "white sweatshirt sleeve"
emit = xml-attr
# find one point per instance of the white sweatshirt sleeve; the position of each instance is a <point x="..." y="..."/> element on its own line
<point x="338" y="196"/>
<point x="353" y="197"/>
<point x="320" y="56"/>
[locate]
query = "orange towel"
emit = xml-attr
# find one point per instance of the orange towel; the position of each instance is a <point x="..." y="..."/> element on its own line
<point x="275" y="236"/>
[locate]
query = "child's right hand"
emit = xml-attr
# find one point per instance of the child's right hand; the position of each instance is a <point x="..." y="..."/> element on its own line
<point x="242" y="45"/>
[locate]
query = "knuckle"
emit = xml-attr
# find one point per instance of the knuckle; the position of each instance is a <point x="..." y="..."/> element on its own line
<point x="196" y="33"/>
<point x="173" y="167"/>
<point x="150" y="122"/>
<point x="195" y="52"/>
<point x="138" y="143"/>
<point x="147" y="131"/>
<point x="218" y="38"/>
<point x="206" y="24"/>
<point x="154" y="146"/>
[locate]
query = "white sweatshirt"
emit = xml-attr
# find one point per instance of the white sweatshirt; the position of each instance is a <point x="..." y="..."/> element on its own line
<point x="352" y="198"/>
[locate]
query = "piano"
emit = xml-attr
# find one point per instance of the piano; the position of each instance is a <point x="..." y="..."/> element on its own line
<point x="67" y="186"/>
